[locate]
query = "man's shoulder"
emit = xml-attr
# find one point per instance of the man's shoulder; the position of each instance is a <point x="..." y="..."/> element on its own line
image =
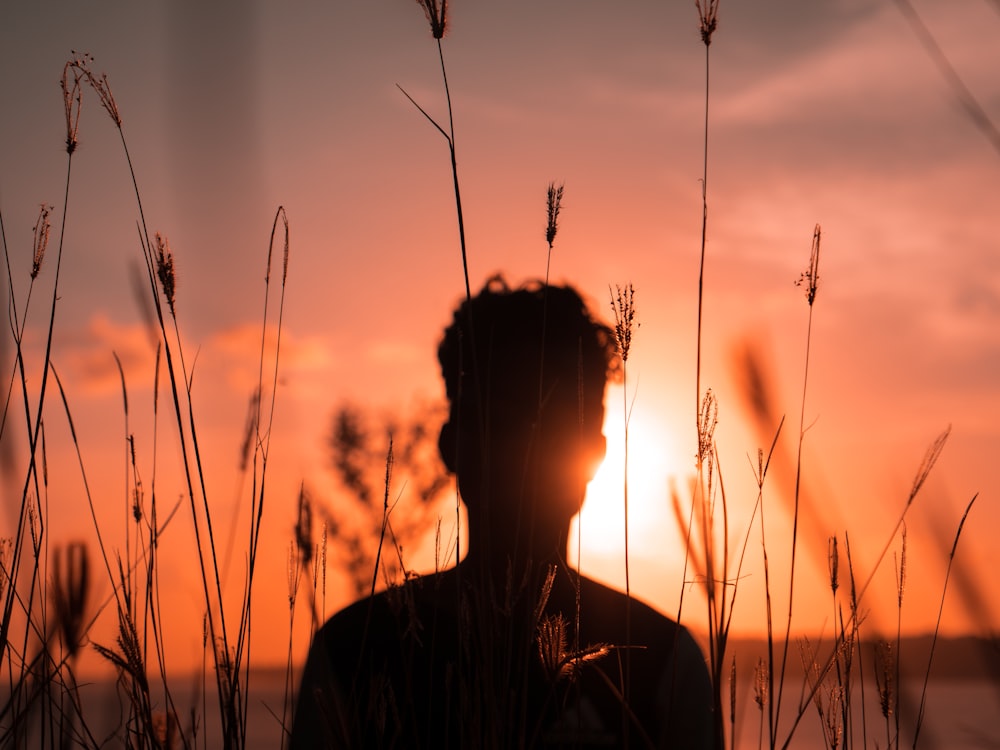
<point x="597" y="596"/>
<point x="387" y="609"/>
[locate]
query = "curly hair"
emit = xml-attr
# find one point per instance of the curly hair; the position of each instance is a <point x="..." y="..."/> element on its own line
<point x="495" y="342"/>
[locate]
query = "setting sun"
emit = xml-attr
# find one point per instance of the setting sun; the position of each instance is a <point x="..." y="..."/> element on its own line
<point x="655" y="457"/>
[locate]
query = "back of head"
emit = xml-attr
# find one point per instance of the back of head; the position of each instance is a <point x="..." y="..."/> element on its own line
<point x="493" y="349"/>
<point x="525" y="371"/>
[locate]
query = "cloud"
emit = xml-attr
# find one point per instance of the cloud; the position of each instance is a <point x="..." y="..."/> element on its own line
<point x="237" y="351"/>
<point x="85" y="356"/>
<point x="394" y="352"/>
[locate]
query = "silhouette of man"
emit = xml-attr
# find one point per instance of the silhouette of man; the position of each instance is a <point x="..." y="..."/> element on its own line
<point x="511" y="648"/>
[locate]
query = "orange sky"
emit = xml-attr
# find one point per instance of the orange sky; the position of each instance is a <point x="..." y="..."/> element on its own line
<point x="825" y="112"/>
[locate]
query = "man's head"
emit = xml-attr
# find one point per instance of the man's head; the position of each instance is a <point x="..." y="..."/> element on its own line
<point x="525" y="372"/>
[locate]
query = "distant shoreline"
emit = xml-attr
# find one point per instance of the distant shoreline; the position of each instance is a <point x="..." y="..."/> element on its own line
<point x="956" y="658"/>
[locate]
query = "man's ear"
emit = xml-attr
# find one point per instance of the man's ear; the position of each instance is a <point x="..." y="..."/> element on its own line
<point x="447" y="445"/>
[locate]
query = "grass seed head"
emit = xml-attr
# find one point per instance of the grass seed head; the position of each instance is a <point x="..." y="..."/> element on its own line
<point x="99" y="84"/>
<point x="165" y="271"/>
<point x="293" y="573"/>
<point x="554" y="205"/>
<point x="810" y="277"/>
<point x="833" y="560"/>
<point x="623" y="307"/>
<point x="708" y="19"/>
<point x="70" y="590"/>
<point x="303" y="528"/>
<point x="708" y="418"/>
<point x="901" y="571"/>
<point x="761" y="683"/>
<point x="437" y="15"/>
<point x="41" y="239"/>
<point x="72" y="103"/>
<point x="885" y="667"/>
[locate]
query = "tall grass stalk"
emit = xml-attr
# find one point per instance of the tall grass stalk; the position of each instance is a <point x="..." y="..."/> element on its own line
<point x="708" y="11"/>
<point x="262" y="444"/>
<point x="159" y="266"/>
<point x="900" y="568"/>
<point x="809" y="279"/>
<point x="885" y="669"/>
<point x="436" y="12"/>
<point x="623" y="307"/>
<point x="135" y="578"/>
<point x="71" y="83"/>
<point x="937" y="624"/>
<point x="855" y="624"/>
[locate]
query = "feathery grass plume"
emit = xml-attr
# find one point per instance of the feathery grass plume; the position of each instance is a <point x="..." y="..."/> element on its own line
<point x="249" y="431"/>
<point x="322" y="560"/>
<point x="708" y="13"/>
<point x="810" y="277"/>
<point x="552" y="646"/>
<point x="99" y="84"/>
<point x="41" y="239"/>
<point x="833" y="562"/>
<point x="827" y="696"/>
<point x="930" y="458"/>
<point x="292" y="573"/>
<point x="553" y="207"/>
<point x="34" y="524"/>
<point x="708" y="418"/>
<point x="833" y="726"/>
<point x="901" y="571"/>
<point x="128" y="660"/>
<point x="544" y="593"/>
<point x="138" y="494"/>
<point x="303" y="528"/>
<point x="558" y="660"/>
<point x="165" y="271"/>
<point x="70" y="590"/>
<point x="623" y="307"/>
<point x="72" y="103"/>
<point x="761" y="681"/>
<point x="437" y="15"/>
<point x="813" y="675"/>
<point x="885" y="668"/>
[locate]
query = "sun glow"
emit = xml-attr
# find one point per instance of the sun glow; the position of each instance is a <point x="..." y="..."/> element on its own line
<point x="654" y="460"/>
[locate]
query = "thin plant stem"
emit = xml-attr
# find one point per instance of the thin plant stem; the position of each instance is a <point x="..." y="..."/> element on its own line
<point x="937" y="624"/>
<point x="811" y="277"/>
<point x="36" y="429"/>
<point x="704" y="239"/>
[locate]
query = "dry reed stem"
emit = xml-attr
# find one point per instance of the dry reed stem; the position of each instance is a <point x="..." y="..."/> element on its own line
<point x="937" y="624"/>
